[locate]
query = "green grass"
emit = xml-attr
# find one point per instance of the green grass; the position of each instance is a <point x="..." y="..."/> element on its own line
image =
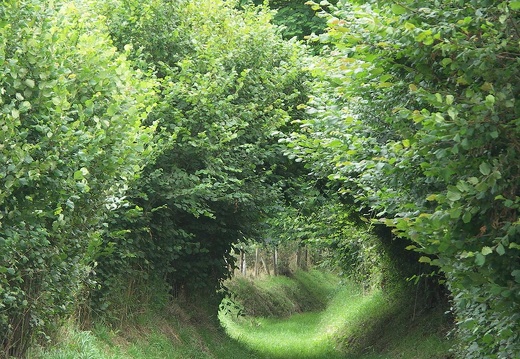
<point x="344" y="323"/>
<point x="175" y="333"/>
<point x="304" y="335"/>
<point x="297" y="337"/>
<point x="353" y="325"/>
<point x="284" y="296"/>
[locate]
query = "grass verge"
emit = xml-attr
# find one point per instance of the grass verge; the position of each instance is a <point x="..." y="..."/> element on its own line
<point x="181" y="330"/>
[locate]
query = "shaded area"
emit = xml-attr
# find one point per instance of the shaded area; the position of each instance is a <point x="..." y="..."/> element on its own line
<point x="182" y="329"/>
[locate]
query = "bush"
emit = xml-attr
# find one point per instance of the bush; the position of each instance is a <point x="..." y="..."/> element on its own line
<point x="70" y="114"/>
<point x="228" y="80"/>
<point x="416" y="119"/>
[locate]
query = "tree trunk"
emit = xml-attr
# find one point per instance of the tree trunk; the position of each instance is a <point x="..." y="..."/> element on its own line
<point x="265" y="265"/>
<point x="243" y="269"/>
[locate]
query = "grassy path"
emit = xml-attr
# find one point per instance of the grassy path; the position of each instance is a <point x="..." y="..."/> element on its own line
<point x="352" y="326"/>
<point x="338" y="321"/>
<point x="306" y="335"/>
<point x="297" y="337"/>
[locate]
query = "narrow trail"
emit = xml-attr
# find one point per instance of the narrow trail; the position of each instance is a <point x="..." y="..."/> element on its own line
<point x="295" y="337"/>
<point x="349" y="324"/>
<point x="312" y="335"/>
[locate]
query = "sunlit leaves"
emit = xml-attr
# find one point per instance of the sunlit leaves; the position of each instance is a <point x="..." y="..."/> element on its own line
<point x="435" y="139"/>
<point x="59" y="165"/>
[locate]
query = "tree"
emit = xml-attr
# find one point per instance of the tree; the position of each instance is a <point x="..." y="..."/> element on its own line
<point x="71" y="108"/>
<point x="296" y="18"/>
<point x="228" y="80"/>
<point x="416" y="118"/>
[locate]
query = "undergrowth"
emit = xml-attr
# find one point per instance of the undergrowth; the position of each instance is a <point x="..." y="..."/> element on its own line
<point x="183" y="329"/>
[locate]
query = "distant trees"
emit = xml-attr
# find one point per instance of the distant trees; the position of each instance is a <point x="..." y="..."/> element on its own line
<point x="295" y="17"/>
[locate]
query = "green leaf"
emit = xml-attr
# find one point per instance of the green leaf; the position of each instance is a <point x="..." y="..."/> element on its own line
<point x="453" y="195"/>
<point x="486" y="250"/>
<point x="480" y="259"/>
<point x="385" y="78"/>
<point x="30" y="83"/>
<point x="455" y="213"/>
<point x="500" y="249"/>
<point x="432" y="197"/>
<point x="80" y="174"/>
<point x="424" y="259"/>
<point x="473" y="180"/>
<point x="15" y="113"/>
<point x="335" y="143"/>
<point x="112" y="110"/>
<point x="490" y="100"/>
<point x="398" y="9"/>
<point x="514" y="5"/>
<point x="485" y="168"/>
<point x="25" y="106"/>
<point x="452" y="113"/>
<point x="445" y="62"/>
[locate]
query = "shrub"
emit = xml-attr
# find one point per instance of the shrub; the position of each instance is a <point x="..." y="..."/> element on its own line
<point x="70" y="114"/>
<point x="416" y="119"/>
<point x="228" y="80"/>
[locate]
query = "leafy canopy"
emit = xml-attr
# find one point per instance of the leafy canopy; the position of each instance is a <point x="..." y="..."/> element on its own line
<point x="71" y="108"/>
<point x="415" y="116"/>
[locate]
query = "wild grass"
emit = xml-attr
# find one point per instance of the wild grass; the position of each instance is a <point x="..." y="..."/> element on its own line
<point x="175" y="333"/>
<point x="282" y="296"/>
<point x="303" y="335"/>
<point x="354" y="325"/>
<point x="345" y="323"/>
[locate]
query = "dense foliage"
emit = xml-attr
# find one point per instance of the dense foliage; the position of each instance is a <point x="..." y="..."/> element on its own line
<point x="295" y="17"/>
<point x="70" y="114"/>
<point x="228" y="81"/>
<point x="413" y="125"/>
<point x="416" y="118"/>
